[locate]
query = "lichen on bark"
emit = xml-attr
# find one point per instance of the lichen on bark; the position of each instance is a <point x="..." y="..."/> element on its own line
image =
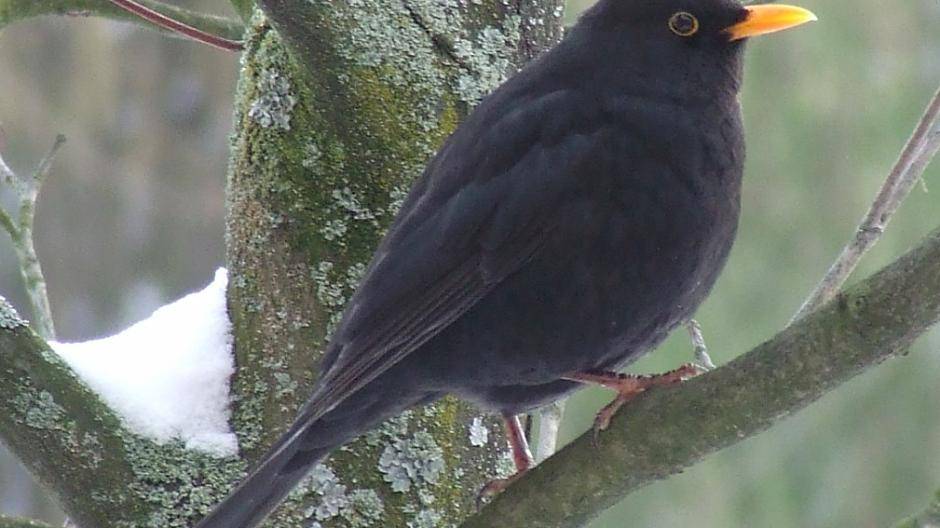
<point x="102" y="473"/>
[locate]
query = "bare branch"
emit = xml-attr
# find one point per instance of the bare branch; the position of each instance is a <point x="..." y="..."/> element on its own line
<point x="929" y="518"/>
<point x="16" y="10"/>
<point x="550" y="418"/>
<point x="102" y="473"/>
<point x="699" y="349"/>
<point x="15" y="522"/>
<point x="45" y="164"/>
<point x="20" y="230"/>
<point x="667" y="430"/>
<point x="170" y="24"/>
<point x="914" y="158"/>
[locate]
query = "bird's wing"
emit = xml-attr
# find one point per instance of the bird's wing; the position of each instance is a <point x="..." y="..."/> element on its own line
<point x="479" y="212"/>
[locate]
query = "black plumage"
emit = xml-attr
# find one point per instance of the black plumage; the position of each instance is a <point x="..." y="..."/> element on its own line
<point x="580" y="213"/>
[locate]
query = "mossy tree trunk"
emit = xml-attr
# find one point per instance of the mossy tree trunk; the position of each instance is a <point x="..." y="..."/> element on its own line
<point x="339" y="107"/>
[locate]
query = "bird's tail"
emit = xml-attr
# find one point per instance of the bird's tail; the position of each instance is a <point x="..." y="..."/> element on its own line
<point x="267" y="485"/>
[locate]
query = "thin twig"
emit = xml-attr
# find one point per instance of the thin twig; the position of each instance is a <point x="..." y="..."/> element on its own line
<point x="17" y="10"/>
<point x="176" y="26"/>
<point x="42" y="170"/>
<point x="702" y="358"/>
<point x="550" y="418"/>
<point x="21" y="233"/>
<point x="913" y="160"/>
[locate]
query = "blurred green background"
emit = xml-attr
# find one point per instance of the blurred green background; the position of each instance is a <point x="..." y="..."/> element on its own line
<point x="132" y="218"/>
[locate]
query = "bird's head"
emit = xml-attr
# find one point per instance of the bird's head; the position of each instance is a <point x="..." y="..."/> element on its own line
<point x="687" y="45"/>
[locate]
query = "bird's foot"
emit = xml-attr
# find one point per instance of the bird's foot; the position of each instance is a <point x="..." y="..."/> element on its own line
<point x="629" y="386"/>
<point x="521" y="457"/>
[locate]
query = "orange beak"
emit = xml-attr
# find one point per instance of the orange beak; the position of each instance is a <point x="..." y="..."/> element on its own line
<point x="769" y="18"/>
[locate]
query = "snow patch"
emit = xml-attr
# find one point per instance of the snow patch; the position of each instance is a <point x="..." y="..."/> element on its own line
<point x="168" y="375"/>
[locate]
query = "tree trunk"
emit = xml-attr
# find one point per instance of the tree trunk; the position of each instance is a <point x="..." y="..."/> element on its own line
<point x="331" y="130"/>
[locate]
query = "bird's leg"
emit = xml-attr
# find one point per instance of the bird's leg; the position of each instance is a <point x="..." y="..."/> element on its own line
<point x="628" y="386"/>
<point x="521" y="456"/>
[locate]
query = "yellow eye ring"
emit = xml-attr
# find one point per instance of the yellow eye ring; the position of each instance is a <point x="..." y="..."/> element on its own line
<point x="683" y="24"/>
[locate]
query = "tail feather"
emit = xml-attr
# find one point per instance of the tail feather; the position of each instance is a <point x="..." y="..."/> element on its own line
<point x="264" y="488"/>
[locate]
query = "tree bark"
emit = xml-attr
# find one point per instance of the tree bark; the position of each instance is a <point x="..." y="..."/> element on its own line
<point x="101" y="473"/>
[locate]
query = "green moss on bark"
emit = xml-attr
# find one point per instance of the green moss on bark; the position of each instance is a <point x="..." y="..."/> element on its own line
<point x="102" y="473"/>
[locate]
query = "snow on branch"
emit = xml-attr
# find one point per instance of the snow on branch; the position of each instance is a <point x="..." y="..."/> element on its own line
<point x="168" y="376"/>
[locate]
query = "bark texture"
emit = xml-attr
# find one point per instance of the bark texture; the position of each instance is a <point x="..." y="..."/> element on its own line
<point x="101" y="473"/>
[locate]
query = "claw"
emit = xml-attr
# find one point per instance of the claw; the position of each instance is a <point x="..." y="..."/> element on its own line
<point x="628" y="387"/>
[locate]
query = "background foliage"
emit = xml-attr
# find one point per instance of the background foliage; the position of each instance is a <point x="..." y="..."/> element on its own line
<point x="132" y="217"/>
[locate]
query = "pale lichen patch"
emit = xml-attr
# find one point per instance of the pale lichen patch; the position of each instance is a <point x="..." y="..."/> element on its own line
<point x="332" y="292"/>
<point x="274" y="102"/>
<point x="359" y="508"/>
<point x="39" y="410"/>
<point x="490" y="59"/>
<point x="426" y="519"/>
<point x="365" y="508"/>
<point x="417" y="461"/>
<point x="9" y="318"/>
<point x="479" y="434"/>
<point x="286" y="386"/>
<point x="505" y="466"/>
<point x="180" y="485"/>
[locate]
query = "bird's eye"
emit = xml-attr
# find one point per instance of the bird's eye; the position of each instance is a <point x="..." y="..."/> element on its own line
<point x="683" y="24"/>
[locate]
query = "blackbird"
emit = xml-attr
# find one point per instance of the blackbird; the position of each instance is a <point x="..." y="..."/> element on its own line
<point x="582" y="211"/>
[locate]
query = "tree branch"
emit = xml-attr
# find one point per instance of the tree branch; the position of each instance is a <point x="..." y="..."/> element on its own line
<point x="16" y="10"/>
<point x="244" y="8"/>
<point x="177" y="26"/>
<point x="52" y="422"/>
<point x="914" y="158"/>
<point x="14" y="522"/>
<point x="20" y="230"/>
<point x="667" y="430"/>
<point x="102" y="473"/>
<point x="929" y="518"/>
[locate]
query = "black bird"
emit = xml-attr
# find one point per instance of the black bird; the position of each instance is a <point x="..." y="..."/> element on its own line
<point x="581" y="212"/>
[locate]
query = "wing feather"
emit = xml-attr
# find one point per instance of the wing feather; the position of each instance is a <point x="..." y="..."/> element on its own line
<point x="470" y="222"/>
